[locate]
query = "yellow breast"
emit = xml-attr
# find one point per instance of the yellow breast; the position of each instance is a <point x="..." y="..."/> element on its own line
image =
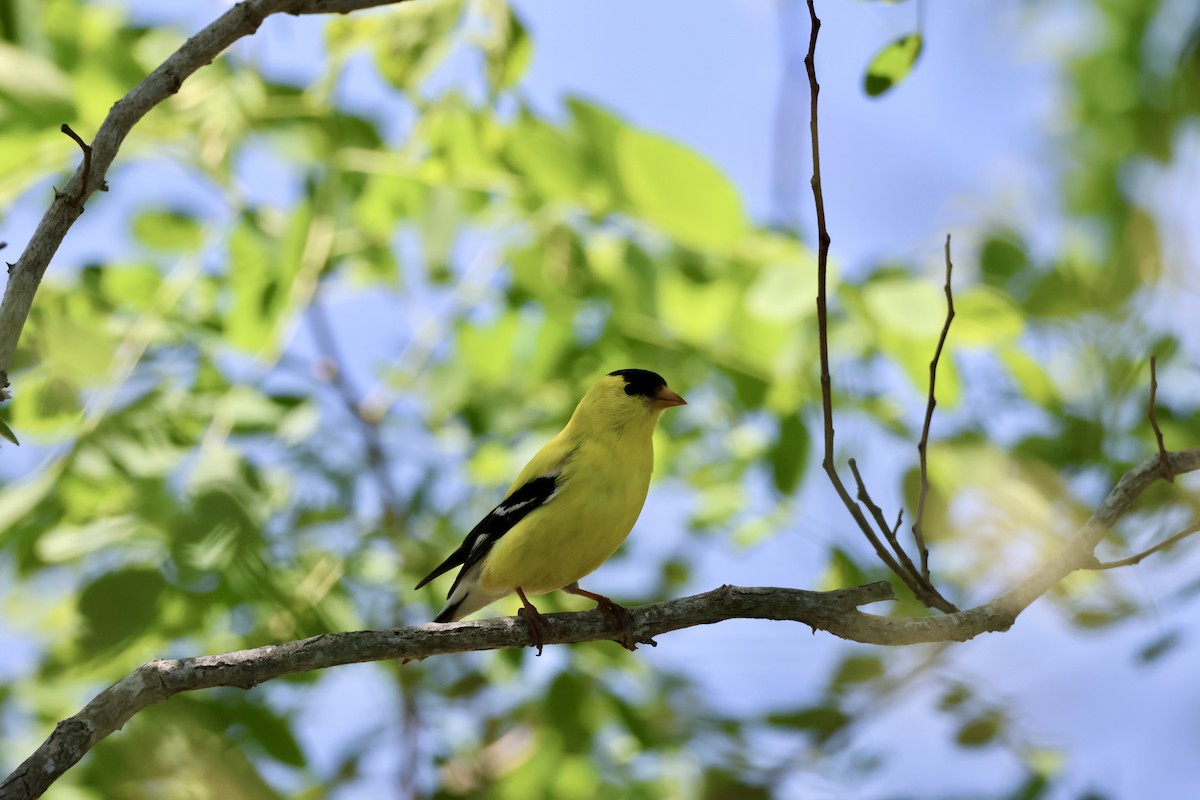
<point x="603" y="487"/>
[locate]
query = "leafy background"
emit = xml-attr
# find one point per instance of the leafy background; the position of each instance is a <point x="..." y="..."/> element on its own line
<point x="352" y="276"/>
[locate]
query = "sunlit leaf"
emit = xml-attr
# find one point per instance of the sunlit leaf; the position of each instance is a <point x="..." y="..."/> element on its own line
<point x="911" y="307"/>
<point x="45" y="405"/>
<point x="508" y="46"/>
<point x="34" y="92"/>
<point x="167" y="230"/>
<point x="680" y="191"/>
<point x="892" y="64"/>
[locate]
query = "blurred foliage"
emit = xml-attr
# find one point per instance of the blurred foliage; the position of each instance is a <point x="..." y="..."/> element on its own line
<point x="210" y="480"/>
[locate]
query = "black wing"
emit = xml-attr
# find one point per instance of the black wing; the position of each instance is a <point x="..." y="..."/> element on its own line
<point x="499" y="521"/>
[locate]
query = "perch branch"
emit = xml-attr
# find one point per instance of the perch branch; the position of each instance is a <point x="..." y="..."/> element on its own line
<point x="156" y="681"/>
<point x="836" y="612"/>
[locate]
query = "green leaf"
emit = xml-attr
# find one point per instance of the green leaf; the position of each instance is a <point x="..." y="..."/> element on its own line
<point x="131" y="286"/>
<point x="7" y="433"/>
<point x="410" y="42"/>
<point x="45" y="404"/>
<point x="1029" y="376"/>
<point x="858" y="669"/>
<point x="985" y="316"/>
<point x="679" y="191"/>
<point x="891" y="65"/>
<point x="565" y="703"/>
<point x="980" y="731"/>
<point x="167" y="230"/>
<point x="904" y="306"/>
<point x="118" y="606"/>
<point x="1001" y="260"/>
<point x="823" y="721"/>
<point x="508" y="47"/>
<point x="272" y="732"/>
<point x="34" y="92"/>
<point x="790" y="454"/>
<point x="546" y="158"/>
<point x="697" y="313"/>
<point x="1160" y="647"/>
<point x="262" y="270"/>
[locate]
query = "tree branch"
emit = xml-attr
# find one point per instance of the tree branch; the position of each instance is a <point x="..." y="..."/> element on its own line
<point x="917" y="583"/>
<point x="26" y="274"/>
<point x="1163" y="545"/>
<point x="836" y="612"/>
<point x="156" y="681"/>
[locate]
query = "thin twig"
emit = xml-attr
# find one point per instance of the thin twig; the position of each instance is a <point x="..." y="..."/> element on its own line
<point x="922" y="446"/>
<point x="1164" y="544"/>
<point x="912" y="579"/>
<point x="1150" y="415"/>
<point x="822" y="239"/>
<point x="865" y="497"/>
<point x="87" y="163"/>
<point x="351" y="398"/>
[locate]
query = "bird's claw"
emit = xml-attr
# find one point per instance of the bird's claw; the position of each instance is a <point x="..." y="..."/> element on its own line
<point x="539" y="626"/>
<point x="618" y="616"/>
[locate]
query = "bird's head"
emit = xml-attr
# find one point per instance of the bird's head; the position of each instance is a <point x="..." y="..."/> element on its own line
<point x="628" y="396"/>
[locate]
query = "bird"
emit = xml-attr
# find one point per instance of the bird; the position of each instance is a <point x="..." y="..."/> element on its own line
<point x="568" y="510"/>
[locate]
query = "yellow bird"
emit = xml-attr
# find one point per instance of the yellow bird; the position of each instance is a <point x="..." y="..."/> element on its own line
<point x="569" y="509"/>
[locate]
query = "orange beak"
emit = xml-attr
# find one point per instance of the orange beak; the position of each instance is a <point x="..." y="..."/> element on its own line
<point x="665" y="398"/>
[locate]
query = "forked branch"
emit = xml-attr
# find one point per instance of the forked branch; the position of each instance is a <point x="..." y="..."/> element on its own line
<point x="917" y="580"/>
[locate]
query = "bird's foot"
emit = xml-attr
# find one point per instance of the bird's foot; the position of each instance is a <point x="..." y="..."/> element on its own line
<point x="616" y="615"/>
<point x="619" y="617"/>
<point x="539" y="626"/>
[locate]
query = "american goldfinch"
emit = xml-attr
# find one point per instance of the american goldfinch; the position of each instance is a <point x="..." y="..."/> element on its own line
<point x="569" y="509"/>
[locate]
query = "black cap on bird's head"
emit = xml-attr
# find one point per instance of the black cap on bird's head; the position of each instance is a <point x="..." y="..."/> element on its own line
<point x="651" y="385"/>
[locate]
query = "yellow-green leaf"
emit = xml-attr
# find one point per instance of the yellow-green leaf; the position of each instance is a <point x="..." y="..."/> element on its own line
<point x="910" y="307"/>
<point x="167" y="230"/>
<point x="679" y="191"/>
<point x="892" y="64"/>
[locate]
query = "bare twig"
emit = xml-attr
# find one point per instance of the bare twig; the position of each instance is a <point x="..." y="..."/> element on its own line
<point x="822" y="241"/>
<point x="922" y="446"/>
<point x="916" y="583"/>
<point x="1150" y="415"/>
<point x="352" y="399"/>
<point x="1163" y="545"/>
<point x="890" y="533"/>
<point x="87" y="165"/>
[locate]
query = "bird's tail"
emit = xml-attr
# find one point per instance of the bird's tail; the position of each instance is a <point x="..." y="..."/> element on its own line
<point x="449" y="613"/>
